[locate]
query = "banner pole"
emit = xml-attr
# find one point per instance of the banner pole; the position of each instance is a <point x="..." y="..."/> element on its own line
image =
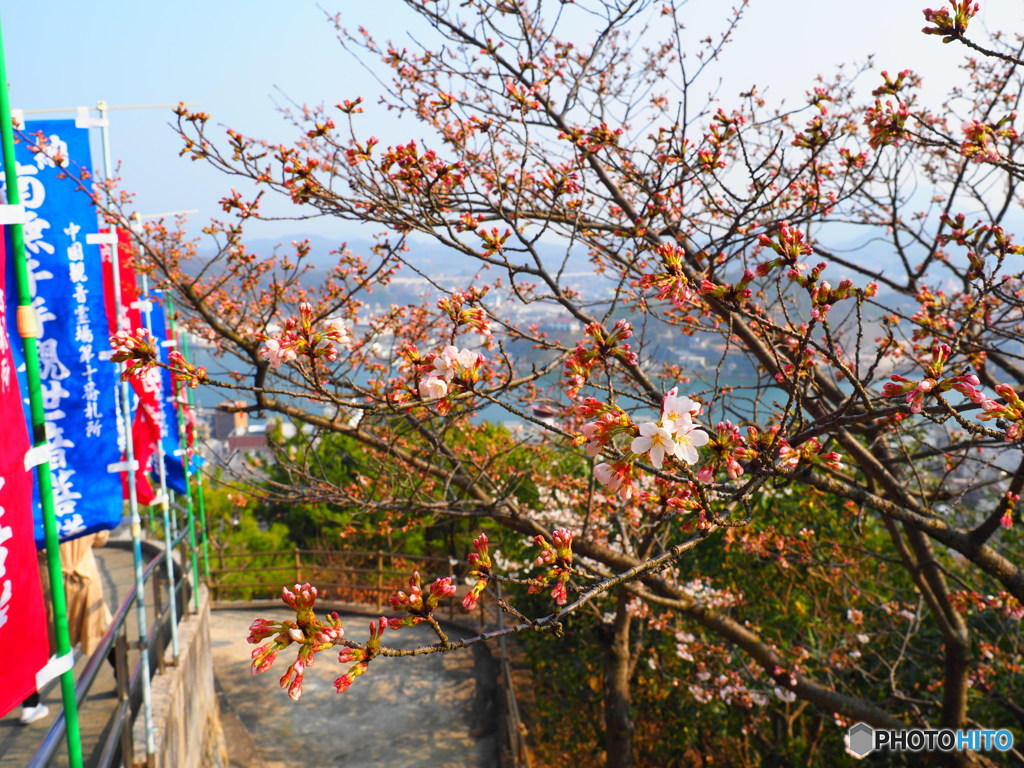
<point x="165" y="499"/>
<point x="186" y="462"/>
<point x="199" y="484"/>
<point x="133" y="502"/>
<point x="28" y="329"/>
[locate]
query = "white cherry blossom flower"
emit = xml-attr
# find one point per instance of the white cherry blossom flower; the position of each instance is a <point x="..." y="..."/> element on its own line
<point x="688" y="438"/>
<point x="657" y="441"/>
<point x="676" y="410"/>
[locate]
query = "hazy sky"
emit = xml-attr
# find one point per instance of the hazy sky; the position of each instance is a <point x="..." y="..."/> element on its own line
<point x="239" y="60"/>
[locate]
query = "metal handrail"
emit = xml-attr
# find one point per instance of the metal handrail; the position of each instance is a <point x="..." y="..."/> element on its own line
<point x="51" y="742"/>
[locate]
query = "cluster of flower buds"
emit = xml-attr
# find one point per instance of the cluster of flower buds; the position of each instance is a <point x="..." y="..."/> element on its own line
<point x="915" y="391"/>
<point x="985" y="243"/>
<point x="807" y="453"/>
<point x="603" y="345"/>
<point x="361" y="656"/>
<point x="413" y="602"/>
<point x="462" y="310"/>
<point x="739" y="293"/>
<point x="671" y="284"/>
<point x="1011" y="414"/>
<point x="304" y="336"/>
<point x="494" y="241"/>
<point x="886" y="122"/>
<point x="600" y="433"/>
<point x="135" y="348"/>
<point x="559" y="556"/>
<point x="310" y="634"/>
<point x="950" y="27"/>
<point x="725" y="452"/>
<point x="192" y="375"/>
<point x="480" y="569"/>
<point x="980" y="138"/>
<point x="788" y="244"/>
<point x="423" y="173"/>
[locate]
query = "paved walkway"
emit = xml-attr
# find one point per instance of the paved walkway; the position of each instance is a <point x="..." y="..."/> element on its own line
<point x="436" y="711"/>
<point x="439" y="710"/>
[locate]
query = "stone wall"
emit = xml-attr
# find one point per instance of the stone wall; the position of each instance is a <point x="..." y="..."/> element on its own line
<point x="186" y="718"/>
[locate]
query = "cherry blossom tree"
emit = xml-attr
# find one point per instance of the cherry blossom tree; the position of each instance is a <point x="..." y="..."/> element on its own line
<point x="762" y="312"/>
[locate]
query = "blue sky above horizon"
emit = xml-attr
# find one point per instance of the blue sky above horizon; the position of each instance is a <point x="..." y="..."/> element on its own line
<point x="241" y="61"/>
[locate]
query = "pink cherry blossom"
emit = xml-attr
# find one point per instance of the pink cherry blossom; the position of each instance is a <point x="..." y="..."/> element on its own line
<point x="276" y="353"/>
<point x="432" y="388"/>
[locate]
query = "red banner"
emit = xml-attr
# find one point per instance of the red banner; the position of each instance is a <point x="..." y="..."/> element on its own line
<point x="146" y="424"/>
<point x="23" y="630"/>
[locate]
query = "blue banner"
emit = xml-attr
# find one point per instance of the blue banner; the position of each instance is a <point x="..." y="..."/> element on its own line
<point x="79" y="389"/>
<point x="169" y="415"/>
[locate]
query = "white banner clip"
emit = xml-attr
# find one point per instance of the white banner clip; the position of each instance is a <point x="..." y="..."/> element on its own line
<point x="84" y="120"/>
<point x="101" y="238"/>
<point x="13" y="214"/>
<point x="36" y="455"/>
<point x="55" y="667"/>
<point x="123" y="466"/>
<point x="169" y="343"/>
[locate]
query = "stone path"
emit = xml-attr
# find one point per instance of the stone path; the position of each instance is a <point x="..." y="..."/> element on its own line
<point x="438" y="710"/>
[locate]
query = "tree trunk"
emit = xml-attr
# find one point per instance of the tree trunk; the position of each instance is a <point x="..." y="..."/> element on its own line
<point x="617" y="672"/>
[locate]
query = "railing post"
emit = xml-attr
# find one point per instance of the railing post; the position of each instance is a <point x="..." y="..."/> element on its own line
<point x="158" y="617"/>
<point x="123" y="680"/>
<point x="298" y="566"/>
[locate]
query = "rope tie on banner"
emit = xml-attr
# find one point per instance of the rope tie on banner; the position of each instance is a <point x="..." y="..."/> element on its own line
<point x="29" y="326"/>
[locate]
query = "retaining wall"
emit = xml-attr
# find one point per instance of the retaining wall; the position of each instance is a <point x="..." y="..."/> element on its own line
<point x="186" y="715"/>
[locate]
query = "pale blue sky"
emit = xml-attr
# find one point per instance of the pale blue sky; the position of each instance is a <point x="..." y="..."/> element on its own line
<point x="231" y="57"/>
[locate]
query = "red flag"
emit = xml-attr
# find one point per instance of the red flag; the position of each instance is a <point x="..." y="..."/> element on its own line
<point x="23" y="631"/>
<point x="146" y="424"/>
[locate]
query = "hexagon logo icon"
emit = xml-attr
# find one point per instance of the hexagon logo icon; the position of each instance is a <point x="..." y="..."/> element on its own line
<point x="860" y="740"/>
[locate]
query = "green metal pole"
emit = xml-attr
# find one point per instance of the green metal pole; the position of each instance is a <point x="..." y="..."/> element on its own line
<point x="183" y="442"/>
<point x="28" y="329"/>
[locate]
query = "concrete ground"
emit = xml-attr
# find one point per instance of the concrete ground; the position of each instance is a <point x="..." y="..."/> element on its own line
<point x="436" y="710"/>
